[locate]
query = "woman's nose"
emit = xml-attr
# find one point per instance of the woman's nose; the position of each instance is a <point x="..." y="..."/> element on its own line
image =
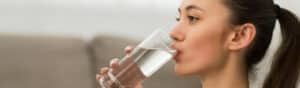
<point x="177" y="35"/>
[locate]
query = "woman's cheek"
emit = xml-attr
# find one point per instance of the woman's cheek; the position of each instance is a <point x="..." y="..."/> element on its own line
<point x="200" y="53"/>
<point x="195" y="61"/>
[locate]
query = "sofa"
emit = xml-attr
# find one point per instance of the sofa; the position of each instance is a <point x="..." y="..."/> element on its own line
<point x="45" y="61"/>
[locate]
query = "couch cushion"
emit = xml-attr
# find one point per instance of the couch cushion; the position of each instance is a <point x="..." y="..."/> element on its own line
<point x="107" y="47"/>
<point x="44" y="62"/>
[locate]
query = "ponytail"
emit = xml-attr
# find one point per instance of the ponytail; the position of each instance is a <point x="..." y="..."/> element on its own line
<point x="285" y="70"/>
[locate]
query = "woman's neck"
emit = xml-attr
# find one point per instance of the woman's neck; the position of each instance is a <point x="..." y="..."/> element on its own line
<point x="232" y="75"/>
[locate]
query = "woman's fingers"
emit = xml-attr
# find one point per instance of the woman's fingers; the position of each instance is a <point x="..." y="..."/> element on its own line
<point x="104" y="70"/>
<point x="128" y="49"/>
<point x="97" y="76"/>
<point x="114" y="63"/>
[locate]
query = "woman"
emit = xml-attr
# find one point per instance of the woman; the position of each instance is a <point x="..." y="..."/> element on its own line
<point x="221" y="40"/>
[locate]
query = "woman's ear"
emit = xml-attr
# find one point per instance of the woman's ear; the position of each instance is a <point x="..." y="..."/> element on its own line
<point x="242" y="36"/>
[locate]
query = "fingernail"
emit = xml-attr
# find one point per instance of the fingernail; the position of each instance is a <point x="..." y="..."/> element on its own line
<point x="113" y="61"/>
<point x="128" y="48"/>
<point x="103" y="70"/>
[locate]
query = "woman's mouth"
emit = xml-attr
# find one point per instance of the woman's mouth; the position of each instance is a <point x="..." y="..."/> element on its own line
<point x="177" y="53"/>
<point x="176" y="56"/>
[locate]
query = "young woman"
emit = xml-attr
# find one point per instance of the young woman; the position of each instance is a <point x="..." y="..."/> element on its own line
<point x="221" y="40"/>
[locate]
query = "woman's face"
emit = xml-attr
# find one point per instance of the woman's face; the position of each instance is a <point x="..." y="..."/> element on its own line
<point x="200" y="35"/>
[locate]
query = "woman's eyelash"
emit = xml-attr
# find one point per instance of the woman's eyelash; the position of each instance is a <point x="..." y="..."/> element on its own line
<point x="192" y="18"/>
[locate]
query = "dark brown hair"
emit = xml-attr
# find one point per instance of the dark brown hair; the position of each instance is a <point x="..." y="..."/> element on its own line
<point x="263" y="14"/>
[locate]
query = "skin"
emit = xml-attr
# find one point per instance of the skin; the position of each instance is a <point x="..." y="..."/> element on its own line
<point x="114" y="64"/>
<point x="209" y="46"/>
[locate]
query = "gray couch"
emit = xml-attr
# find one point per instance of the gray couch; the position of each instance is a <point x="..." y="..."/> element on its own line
<point x="69" y="62"/>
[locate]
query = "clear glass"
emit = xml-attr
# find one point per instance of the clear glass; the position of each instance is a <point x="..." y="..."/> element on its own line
<point x="147" y="58"/>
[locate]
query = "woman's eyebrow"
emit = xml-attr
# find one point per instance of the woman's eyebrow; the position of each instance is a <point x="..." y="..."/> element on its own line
<point x="191" y="7"/>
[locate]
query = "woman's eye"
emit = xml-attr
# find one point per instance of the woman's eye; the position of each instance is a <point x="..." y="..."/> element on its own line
<point x="193" y="19"/>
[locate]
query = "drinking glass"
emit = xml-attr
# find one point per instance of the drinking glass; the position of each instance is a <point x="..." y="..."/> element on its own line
<point x="145" y="59"/>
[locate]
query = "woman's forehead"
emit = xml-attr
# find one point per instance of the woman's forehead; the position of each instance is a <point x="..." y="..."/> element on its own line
<point x="203" y="4"/>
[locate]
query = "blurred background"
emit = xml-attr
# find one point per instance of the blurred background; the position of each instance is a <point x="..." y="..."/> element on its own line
<point x="130" y="18"/>
<point x="65" y="62"/>
<point x="85" y="18"/>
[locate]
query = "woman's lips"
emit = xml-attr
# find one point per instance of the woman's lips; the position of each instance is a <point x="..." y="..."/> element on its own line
<point x="176" y="56"/>
<point x="176" y="47"/>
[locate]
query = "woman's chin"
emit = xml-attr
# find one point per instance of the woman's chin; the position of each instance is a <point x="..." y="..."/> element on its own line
<point x="183" y="71"/>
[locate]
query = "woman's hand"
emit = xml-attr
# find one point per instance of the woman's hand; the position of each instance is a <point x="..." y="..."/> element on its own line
<point x="114" y="64"/>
